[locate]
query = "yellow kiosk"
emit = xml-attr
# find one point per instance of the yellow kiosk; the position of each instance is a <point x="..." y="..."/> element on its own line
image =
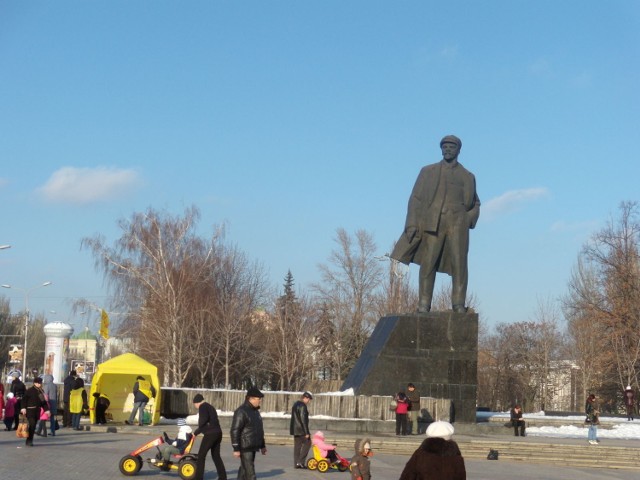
<point x="115" y="378"/>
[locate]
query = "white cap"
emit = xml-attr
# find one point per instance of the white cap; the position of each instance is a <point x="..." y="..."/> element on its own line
<point x="440" y="430"/>
<point x="628" y="387"/>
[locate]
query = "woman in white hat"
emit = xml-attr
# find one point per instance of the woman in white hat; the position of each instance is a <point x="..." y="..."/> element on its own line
<point x="438" y="458"/>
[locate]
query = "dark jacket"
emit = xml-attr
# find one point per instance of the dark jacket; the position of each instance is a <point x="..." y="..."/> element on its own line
<point x="516" y="417"/>
<point x="138" y="396"/>
<point x="208" y="422"/>
<point x="299" y="425"/>
<point x="18" y="388"/>
<point x="33" y="400"/>
<point x="435" y="459"/>
<point x="247" y="433"/>
<point x="360" y="463"/>
<point x="69" y="384"/>
<point x="414" y="398"/>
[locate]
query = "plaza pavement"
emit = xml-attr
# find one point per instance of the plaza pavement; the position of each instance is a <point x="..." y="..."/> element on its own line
<point x="95" y="454"/>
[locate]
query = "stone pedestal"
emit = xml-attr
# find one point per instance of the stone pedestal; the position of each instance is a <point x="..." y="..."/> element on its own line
<point x="437" y="351"/>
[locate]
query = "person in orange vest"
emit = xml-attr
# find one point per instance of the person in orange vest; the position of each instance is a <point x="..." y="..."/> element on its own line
<point x="143" y="391"/>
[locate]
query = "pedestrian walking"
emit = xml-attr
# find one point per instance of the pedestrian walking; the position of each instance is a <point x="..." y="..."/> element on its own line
<point x="18" y="389"/>
<point x="32" y="402"/>
<point x="247" y="434"/>
<point x="299" y="428"/>
<point x="592" y="410"/>
<point x="360" y="465"/>
<point x="51" y="394"/>
<point x="209" y="426"/>
<point x="10" y="408"/>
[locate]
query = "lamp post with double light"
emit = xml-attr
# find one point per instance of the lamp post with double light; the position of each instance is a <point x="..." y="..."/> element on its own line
<point x="26" y="320"/>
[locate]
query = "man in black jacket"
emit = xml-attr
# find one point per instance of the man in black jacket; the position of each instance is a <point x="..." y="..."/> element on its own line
<point x="209" y="426"/>
<point x="32" y="402"/>
<point x="18" y="389"/>
<point x="299" y="428"/>
<point x="69" y="383"/>
<point x="247" y="434"/>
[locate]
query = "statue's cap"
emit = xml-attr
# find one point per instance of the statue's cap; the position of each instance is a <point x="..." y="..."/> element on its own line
<point x="451" y="139"/>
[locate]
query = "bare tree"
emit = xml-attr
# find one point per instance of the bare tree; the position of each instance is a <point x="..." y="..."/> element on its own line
<point x="349" y="283"/>
<point x="289" y="339"/>
<point x="238" y="331"/>
<point x="155" y="269"/>
<point x="605" y="292"/>
<point x="396" y="295"/>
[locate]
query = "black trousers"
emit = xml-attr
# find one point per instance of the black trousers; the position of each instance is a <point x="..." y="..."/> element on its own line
<point x="518" y="424"/>
<point x="211" y="442"/>
<point x="247" y="470"/>
<point x="101" y="411"/>
<point x="32" y="419"/>
<point x="66" y="414"/>
<point x="401" y="423"/>
<point x="301" y="446"/>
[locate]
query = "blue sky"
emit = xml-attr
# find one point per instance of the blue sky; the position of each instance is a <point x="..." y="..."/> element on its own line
<point x="289" y="119"/>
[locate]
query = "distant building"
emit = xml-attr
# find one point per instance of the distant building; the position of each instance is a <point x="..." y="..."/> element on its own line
<point x="83" y="354"/>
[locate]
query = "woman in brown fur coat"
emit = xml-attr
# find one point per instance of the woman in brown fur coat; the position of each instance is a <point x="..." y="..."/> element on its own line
<point x="438" y="458"/>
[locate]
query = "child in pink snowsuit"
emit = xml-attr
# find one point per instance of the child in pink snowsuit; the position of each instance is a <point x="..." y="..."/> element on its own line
<point x="326" y="450"/>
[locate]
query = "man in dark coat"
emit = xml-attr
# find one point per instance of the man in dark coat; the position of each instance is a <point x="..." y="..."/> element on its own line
<point x="32" y="401"/>
<point x="18" y="389"/>
<point x="69" y="384"/>
<point x="516" y="420"/>
<point x="209" y="426"/>
<point x="442" y="208"/>
<point x="438" y="458"/>
<point x="247" y="434"/>
<point x="299" y="428"/>
<point x="414" y="408"/>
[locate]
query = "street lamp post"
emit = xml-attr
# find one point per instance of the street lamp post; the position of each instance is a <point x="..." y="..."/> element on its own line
<point x="26" y="321"/>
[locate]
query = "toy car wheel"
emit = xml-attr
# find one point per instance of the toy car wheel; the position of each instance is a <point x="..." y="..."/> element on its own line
<point x="323" y="466"/>
<point x="130" y="465"/>
<point x="312" y="464"/>
<point x="342" y="467"/>
<point x="187" y="469"/>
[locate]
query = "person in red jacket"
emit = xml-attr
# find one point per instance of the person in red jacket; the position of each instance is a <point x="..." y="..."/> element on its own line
<point x="402" y="408"/>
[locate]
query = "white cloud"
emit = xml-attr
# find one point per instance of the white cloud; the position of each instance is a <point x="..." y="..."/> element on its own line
<point x="541" y="67"/>
<point x="562" y="226"/>
<point x="512" y="200"/>
<point x="449" y="52"/>
<point x="88" y="185"/>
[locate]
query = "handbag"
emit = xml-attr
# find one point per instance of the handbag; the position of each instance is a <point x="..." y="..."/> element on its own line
<point x="23" y="429"/>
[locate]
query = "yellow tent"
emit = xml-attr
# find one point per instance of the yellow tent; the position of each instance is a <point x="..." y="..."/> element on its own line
<point x="115" y="378"/>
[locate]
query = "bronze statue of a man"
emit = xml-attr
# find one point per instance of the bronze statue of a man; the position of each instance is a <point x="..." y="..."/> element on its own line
<point x="442" y="208"/>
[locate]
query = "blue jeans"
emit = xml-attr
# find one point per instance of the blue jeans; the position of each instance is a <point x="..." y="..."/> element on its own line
<point x="75" y="420"/>
<point x="593" y="432"/>
<point x="53" y="409"/>
<point x="139" y="407"/>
